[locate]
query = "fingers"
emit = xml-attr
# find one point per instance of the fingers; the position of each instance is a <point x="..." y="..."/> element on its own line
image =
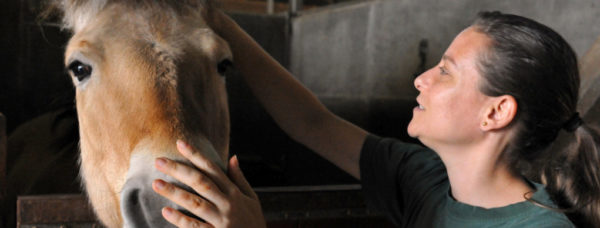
<point x="180" y="220"/>
<point x="193" y="203"/>
<point x="208" y="167"/>
<point x="213" y="18"/>
<point x="218" y="192"/>
<point x="191" y="177"/>
<point x="235" y="173"/>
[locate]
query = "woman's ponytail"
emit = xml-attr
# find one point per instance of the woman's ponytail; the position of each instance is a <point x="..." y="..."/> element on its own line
<point x="535" y="65"/>
<point x="572" y="176"/>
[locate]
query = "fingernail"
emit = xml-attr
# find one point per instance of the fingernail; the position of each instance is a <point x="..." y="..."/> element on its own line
<point x="181" y="143"/>
<point x="160" y="184"/>
<point x="236" y="162"/>
<point x="167" y="211"/>
<point x="182" y="147"/>
<point x="161" y="162"/>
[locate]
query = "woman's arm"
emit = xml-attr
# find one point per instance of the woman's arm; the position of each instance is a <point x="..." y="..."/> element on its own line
<point x="295" y="109"/>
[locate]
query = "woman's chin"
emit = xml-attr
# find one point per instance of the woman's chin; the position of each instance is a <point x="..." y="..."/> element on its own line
<point x="411" y="130"/>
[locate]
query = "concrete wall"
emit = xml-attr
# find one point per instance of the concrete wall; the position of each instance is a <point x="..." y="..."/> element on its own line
<point x="370" y="49"/>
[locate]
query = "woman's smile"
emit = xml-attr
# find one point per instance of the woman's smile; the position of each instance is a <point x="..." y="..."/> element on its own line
<point x="449" y="105"/>
<point x="419" y="107"/>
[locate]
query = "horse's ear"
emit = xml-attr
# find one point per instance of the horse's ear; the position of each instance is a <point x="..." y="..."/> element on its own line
<point x="75" y="13"/>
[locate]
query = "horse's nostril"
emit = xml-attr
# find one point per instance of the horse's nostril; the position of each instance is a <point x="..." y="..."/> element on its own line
<point x="141" y="206"/>
<point x="132" y="198"/>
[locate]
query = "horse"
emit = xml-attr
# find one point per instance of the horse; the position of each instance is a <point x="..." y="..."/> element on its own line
<point x="146" y="73"/>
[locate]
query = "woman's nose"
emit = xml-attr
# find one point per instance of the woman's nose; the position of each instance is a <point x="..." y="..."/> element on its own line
<point x="420" y="81"/>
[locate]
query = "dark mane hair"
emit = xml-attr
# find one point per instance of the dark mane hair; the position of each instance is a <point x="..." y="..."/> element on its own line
<point x="536" y="66"/>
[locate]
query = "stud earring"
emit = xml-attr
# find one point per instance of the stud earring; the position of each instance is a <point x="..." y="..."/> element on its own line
<point x="484" y="123"/>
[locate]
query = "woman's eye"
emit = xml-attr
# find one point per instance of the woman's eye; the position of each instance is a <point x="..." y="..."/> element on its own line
<point x="80" y="70"/>
<point x="443" y="71"/>
<point x="223" y="66"/>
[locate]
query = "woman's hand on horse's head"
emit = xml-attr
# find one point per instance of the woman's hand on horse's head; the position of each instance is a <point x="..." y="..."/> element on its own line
<point x="215" y="19"/>
<point x="222" y="200"/>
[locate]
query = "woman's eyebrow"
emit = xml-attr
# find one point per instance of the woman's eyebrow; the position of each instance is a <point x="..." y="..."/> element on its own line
<point x="449" y="59"/>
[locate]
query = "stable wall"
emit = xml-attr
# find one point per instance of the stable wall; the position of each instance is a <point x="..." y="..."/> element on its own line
<point x="359" y="57"/>
<point x="371" y="48"/>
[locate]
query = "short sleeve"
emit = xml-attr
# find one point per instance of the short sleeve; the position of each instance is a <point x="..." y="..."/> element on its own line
<point x="404" y="181"/>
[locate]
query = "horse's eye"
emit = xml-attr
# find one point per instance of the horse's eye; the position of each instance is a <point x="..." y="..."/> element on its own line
<point x="80" y="70"/>
<point x="223" y="66"/>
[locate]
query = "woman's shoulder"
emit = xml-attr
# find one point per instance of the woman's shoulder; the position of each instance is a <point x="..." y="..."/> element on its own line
<point x="403" y="180"/>
<point x="545" y="213"/>
<point x="401" y="162"/>
<point x="548" y="219"/>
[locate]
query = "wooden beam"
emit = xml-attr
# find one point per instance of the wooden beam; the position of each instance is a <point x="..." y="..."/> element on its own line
<point x="282" y="207"/>
<point x="54" y="209"/>
<point x="590" y="80"/>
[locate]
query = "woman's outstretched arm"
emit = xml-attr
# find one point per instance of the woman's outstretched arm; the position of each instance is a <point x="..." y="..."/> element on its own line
<point x="295" y="109"/>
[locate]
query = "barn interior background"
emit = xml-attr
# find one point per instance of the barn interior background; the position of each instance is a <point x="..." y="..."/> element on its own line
<point x="359" y="57"/>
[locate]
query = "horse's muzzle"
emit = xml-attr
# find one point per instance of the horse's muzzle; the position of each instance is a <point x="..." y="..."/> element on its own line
<point x="140" y="205"/>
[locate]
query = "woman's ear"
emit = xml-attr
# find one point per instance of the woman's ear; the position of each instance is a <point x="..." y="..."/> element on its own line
<point x="500" y="113"/>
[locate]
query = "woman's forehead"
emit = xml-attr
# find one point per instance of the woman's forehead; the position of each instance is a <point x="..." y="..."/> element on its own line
<point x="466" y="48"/>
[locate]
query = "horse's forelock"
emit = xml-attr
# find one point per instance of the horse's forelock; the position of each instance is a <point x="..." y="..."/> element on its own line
<point x="77" y="13"/>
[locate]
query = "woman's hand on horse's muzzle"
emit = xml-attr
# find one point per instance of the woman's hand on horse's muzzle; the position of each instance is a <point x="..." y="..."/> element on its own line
<point x="221" y="200"/>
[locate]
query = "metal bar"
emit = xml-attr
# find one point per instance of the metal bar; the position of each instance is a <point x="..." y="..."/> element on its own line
<point x="310" y="188"/>
<point x="295" y="6"/>
<point x="270" y="6"/>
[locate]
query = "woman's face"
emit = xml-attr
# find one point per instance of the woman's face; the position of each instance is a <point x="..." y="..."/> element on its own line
<point x="451" y="107"/>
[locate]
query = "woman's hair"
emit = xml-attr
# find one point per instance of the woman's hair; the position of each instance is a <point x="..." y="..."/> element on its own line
<point x="536" y="66"/>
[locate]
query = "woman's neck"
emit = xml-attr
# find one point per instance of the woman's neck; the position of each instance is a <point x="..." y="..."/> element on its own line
<point x="479" y="177"/>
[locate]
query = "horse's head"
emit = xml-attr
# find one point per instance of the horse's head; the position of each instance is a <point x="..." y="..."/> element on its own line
<point x="146" y="73"/>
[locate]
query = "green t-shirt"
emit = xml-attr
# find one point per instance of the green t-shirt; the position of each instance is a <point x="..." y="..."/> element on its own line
<point x="409" y="184"/>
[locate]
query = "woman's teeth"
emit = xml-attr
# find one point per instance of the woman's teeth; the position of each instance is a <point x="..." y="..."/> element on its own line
<point x="421" y="107"/>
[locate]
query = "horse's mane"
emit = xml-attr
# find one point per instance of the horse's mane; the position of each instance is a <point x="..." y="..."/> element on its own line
<point x="76" y="14"/>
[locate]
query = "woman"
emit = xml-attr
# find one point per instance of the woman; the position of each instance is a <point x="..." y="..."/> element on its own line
<point x="503" y="90"/>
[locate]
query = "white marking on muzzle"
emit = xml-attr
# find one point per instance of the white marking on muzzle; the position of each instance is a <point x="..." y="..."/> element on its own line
<point x="140" y="205"/>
